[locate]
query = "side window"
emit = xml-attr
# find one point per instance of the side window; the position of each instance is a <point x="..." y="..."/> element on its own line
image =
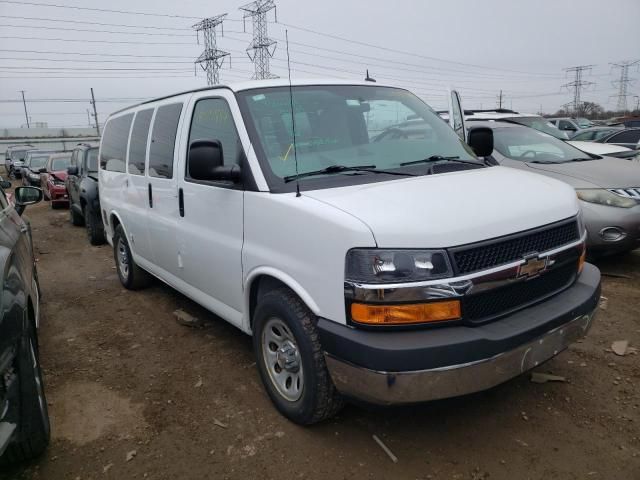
<point x="114" y="143"/>
<point x="138" y="143"/>
<point x="212" y="120"/>
<point x="630" y="136"/>
<point x="163" y="140"/>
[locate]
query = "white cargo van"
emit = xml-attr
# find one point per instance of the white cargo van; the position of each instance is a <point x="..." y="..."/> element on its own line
<point x="371" y="254"/>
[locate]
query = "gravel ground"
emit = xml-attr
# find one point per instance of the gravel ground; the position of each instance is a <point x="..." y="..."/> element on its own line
<point x="133" y="394"/>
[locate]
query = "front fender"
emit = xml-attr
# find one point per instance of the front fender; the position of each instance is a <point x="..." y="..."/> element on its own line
<point x="285" y="278"/>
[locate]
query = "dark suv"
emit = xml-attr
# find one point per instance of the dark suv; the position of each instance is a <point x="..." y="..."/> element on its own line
<point x="24" y="421"/>
<point x="82" y="185"/>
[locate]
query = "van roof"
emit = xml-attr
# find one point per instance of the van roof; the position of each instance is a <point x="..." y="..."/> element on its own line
<point x="251" y="84"/>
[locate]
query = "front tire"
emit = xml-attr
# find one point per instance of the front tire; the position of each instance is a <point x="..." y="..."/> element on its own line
<point x="76" y="219"/>
<point x="131" y="275"/>
<point x="34" y="430"/>
<point x="290" y="359"/>
<point x="95" y="228"/>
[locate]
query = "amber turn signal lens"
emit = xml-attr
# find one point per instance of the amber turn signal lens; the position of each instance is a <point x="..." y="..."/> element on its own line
<point x="405" y="314"/>
<point x="582" y="261"/>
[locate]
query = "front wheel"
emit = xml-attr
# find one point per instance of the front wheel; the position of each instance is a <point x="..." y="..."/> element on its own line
<point x="291" y="361"/>
<point x="33" y="431"/>
<point x="75" y="218"/>
<point x="131" y="275"/>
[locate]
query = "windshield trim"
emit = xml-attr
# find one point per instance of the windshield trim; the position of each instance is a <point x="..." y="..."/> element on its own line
<point x="276" y="184"/>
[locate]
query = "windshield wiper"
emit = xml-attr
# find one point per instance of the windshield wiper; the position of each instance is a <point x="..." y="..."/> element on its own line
<point x="585" y="159"/>
<point x="437" y="158"/>
<point x="332" y="169"/>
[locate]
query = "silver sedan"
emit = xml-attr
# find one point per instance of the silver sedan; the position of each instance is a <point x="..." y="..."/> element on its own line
<point x="608" y="188"/>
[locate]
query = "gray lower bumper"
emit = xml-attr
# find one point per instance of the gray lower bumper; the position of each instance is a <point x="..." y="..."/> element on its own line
<point x="388" y="388"/>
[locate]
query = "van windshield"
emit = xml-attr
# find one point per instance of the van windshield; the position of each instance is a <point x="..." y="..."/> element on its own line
<point x="92" y="160"/>
<point x="348" y="126"/>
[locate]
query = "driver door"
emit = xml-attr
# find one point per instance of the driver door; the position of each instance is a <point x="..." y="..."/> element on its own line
<point x="456" y="114"/>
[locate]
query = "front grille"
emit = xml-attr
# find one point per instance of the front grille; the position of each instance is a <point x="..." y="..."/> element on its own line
<point x="627" y="192"/>
<point x="491" y="253"/>
<point x="489" y="305"/>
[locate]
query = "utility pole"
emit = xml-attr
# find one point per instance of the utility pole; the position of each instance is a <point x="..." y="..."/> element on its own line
<point x="500" y="100"/>
<point x="95" y="112"/>
<point x="623" y="83"/>
<point x="261" y="48"/>
<point x="577" y="85"/>
<point x="212" y="58"/>
<point x="88" y="118"/>
<point x="26" y="115"/>
<point x="637" y="103"/>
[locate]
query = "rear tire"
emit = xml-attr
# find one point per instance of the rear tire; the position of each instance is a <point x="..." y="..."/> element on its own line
<point x="33" y="432"/>
<point x="291" y="361"/>
<point x="130" y="274"/>
<point x="76" y="219"/>
<point x="95" y="228"/>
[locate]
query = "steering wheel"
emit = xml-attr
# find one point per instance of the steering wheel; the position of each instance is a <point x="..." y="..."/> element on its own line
<point x="533" y="152"/>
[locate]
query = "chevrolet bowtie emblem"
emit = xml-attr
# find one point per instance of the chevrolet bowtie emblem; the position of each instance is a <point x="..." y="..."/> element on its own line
<point x="532" y="266"/>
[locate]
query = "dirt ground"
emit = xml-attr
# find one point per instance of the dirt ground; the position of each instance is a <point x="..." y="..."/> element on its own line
<point x="135" y="395"/>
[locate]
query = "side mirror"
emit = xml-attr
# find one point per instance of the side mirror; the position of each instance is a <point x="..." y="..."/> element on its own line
<point x="72" y="170"/>
<point x="42" y="170"/>
<point x="26" y="196"/>
<point x="480" y="139"/>
<point x="5" y="184"/>
<point x="206" y="162"/>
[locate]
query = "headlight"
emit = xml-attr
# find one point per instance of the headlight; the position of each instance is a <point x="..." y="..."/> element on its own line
<point x="371" y="265"/>
<point x="601" y="196"/>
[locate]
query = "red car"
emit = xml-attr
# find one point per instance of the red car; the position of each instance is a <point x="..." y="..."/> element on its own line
<point x="52" y="179"/>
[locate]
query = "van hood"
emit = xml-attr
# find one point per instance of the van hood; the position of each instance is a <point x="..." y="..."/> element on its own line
<point x="597" y="148"/>
<point x="606" y="173"/>
<point x="451" y="209"/>
<point x="60" y="175"/>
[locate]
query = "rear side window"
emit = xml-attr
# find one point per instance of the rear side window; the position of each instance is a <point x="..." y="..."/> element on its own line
<point x="114" y="143"/>
<point x="212" y="120"/>
<point x="163" y="140"/>
<point x="138" y="143"/>
<point x="630" y="136"/>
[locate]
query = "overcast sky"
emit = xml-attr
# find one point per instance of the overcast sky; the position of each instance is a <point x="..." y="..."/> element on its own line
<point x="479" y="47"/>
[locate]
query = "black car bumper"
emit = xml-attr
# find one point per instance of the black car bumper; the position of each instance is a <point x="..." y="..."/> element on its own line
<point x="389" y="367"/>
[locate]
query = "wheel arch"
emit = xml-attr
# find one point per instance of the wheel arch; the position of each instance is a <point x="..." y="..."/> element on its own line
<point x="114" y="221"/>
<point x="265" y="279"/>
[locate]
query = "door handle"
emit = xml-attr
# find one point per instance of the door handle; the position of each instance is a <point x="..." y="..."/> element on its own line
<point x="150" y="196"/>
<point x="181" y="202"/>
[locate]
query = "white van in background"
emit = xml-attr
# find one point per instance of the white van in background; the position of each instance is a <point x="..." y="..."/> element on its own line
<point x="367" y="260"/>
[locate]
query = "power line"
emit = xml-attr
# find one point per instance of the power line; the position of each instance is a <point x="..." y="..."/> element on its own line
<point x="93" y="23"/>
<point x="103" y="10"/>
<point x="84" y="40"/>
<point x="67" y="29"/>
<point x="380" y="47"/>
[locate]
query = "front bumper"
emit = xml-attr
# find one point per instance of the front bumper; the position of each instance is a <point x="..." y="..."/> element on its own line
<point x="415" y="366"/>
<point x="601" y="218"/>
<point x="58" y="194"/>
